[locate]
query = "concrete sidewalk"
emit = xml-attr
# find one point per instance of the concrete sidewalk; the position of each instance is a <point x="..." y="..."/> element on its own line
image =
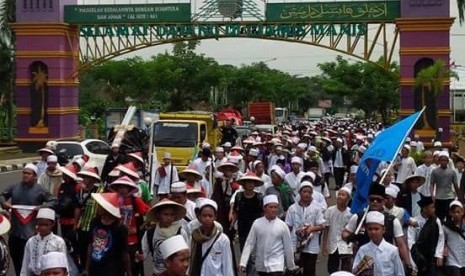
<point x="16" y="164"/>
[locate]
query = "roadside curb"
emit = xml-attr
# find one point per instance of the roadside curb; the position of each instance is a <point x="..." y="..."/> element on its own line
<point x="14" y="166"/>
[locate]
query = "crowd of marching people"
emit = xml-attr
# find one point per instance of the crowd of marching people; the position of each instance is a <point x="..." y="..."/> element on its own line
<point x="259" y="204"/>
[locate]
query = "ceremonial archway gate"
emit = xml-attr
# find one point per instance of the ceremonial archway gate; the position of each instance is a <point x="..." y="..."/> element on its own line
<point x="55" y="39"/>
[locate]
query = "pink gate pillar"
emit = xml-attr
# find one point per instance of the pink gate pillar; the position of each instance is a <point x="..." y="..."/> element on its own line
<point x="424" y="37"/>
<point x="46" y="79"/>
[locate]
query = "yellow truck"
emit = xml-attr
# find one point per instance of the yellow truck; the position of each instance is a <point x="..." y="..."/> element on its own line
<point x="182" y="135"/>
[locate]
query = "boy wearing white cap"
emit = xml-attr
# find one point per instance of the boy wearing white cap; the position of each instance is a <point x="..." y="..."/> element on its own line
<point x="385" y="256"/>
<point x="44" y="242"/>
<point x="176" y="254"/>
<point x="455" y="240"/>
<point x="293" y="178"/>
<point x="305" y="219"/>
<point x="405" y="165"/>
<point x="270" y="239"/>
<point x="51" y="178"/>
<point x="336" y="217"/>
<point x="53" y="264"/>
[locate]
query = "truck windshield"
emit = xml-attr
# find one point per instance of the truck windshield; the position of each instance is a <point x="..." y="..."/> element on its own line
<point x="279" y="112"/>
<point x="175" y="134"/>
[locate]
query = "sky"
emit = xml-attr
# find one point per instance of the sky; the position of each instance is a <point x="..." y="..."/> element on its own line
<point x="294" y="58"/>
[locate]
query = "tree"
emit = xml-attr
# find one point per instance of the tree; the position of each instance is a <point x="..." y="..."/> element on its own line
<point x="368" y="86"/>
<point x="431" y="80"/>
<point x="461" y="8"/>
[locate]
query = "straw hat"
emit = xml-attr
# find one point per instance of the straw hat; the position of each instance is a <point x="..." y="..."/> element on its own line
<point x="413" y="177"/>
<point x="179" y="210"/>
<point x="5" y="225"/>
<point x="45" y="150"/>
<point x="137" y="156"/>
<point x="221" y="168"/>
<point x="109" y="202"/>
<point x="125" y="181"/>
<point x="250" y="177"/>
<point x="90" y="172"/>
<point x="128" y="169"/>
<point x="69" y="171"/>
<point x="187" y="172"/>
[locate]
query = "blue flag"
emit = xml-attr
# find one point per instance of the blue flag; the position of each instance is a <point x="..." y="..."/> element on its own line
<point x="384" y="148"/>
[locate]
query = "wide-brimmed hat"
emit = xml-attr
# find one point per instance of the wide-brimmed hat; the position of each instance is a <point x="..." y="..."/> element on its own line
<point x="326" y="139"/>
<point x="124" y="181"/>
<point x="250" y="177"/>
<point x="221" y="168"/>
<point x="5" y="225"/>
<point x="69" y="170"/>
<point x="90" y="172"/>
<point x="109" y="202"/>
<point x="137" y="156"/>
<point x="186" y="172"/>
<point x="47" y="150"/>
<point x="180" y="211"/>
<point x="237" y="148"/>
<point x="422" y="179"/>
<point x="128" y="169"/>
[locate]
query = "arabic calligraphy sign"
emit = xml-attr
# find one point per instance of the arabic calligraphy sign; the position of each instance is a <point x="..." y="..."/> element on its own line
<point x="372" y="11"/>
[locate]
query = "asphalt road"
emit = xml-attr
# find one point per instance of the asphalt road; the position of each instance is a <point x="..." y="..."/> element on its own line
<point x="9" y="178"/>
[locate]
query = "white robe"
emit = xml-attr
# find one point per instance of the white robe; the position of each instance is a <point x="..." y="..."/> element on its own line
<point x="163" y="183"/>
<point x="219" y="260"/>
<point x="37" y="246"/>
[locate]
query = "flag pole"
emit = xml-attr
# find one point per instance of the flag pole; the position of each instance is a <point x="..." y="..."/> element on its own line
<point x="389" y="168"/>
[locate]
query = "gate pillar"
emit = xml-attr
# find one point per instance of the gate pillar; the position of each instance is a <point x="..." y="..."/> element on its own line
<point x="46" y="83"/>
<point x="424" y="38"/>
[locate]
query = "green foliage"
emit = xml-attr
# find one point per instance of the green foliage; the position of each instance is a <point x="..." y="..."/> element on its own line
<point x="461" y="8"/>
<point x="432" y="77"/>
<point x="368" y="86"/>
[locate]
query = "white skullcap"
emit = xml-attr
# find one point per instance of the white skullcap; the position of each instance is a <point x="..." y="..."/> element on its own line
<point x="167" y="155"/>
<point x="172" y="245"/>
<point x="277" y="169"/>
<point x="219" y="149"/>
<point x="31" y="167"/>
<point x="353" y="169"/>
<point x="407" y="147"/>
<point x="53" y="260"/>
<point x="296" y="159"/>
<point x="254" y="152"/>
<point x="342" y="273"/>
<point x="178" y="187"/>
<point x="437" y="144"/>
<point x="302" y="146"/>
<point x="443" y="154"/>
<point x="52" y="159"/>
<point x="256" y="162"/>
<point x="408" y="139"/>
<point x="311" y="174"/>
<point x="455" y="203"/>
<point x="270" y="199"/>
<point x="344" y="189"/>
<point x="375" y="217"/>
<point x="391" y="192"/>
<point x="305" y="184"/>
<point x="46" y="213"/>
<point x="227" y="145"/>
<point x="436" y="152"/>
<point x="339" y="140"/>
<point x="207" y="202"/>
<point x="312" y="148"/>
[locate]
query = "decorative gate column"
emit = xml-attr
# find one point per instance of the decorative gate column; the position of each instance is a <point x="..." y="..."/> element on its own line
<point x="424" y="38"/>
<point x="46" y="80"/>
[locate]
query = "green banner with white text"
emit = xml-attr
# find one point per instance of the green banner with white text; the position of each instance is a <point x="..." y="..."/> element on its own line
<point x="368" y="11"/>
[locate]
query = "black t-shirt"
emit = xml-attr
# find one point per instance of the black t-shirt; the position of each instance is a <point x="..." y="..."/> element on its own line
<point x="247" y="210"/>
<point x="108" y="242"/>
<point x="229" y="135"/>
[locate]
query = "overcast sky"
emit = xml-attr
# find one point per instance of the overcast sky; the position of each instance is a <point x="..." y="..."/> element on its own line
<point x="295" y="58"/>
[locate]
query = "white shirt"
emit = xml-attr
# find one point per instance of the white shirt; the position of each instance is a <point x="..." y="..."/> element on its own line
<point x="298" y="216"/>
<point x="338" y="161"/>
<point x="456" y="246"/>
<point x="405" y="169"/>
<point x="413" y="232"/>
<point x="335" y="220"/>
<point x="219" y="260"/>
<point x="164" y="183"/>
<point x="37" y="246"/>
<point x="425" y="171"/>
<point x="352" y="226"/>
<point x="271" y="241"/>
<point x="385" y="256"/>
<point x="294" y="181"/>
<point x="190" y="214"/>
<point x="397" y="212"/>
<point x="41" y="167"/>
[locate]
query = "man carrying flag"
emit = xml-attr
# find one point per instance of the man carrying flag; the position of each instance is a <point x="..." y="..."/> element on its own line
<point x="384" y="148"/>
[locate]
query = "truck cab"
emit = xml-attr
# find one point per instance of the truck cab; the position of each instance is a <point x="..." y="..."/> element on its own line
<point x="182" y="134"/>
